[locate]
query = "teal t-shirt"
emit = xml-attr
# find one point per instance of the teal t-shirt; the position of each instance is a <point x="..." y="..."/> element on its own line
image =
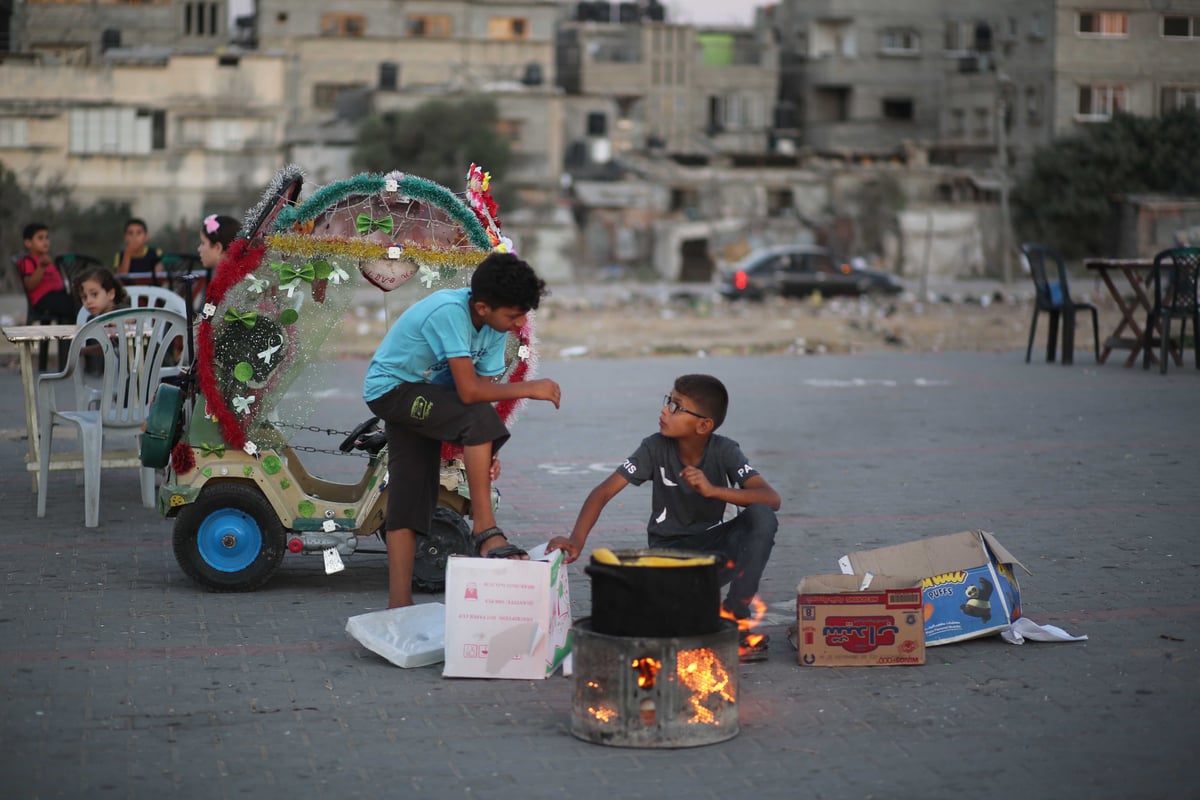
<point x="419" y="346"/>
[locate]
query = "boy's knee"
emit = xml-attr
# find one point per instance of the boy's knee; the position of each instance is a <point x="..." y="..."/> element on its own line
<point x="762" y="519"/>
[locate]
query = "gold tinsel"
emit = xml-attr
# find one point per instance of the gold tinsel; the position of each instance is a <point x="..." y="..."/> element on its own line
<point x="290" y="244"/>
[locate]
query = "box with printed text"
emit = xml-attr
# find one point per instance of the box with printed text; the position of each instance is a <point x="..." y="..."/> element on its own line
<point x="842" y="623"/>
<point x="968" y="584"/>
<point x="507" y="618"/>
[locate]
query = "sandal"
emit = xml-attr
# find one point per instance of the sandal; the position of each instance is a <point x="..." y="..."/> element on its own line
<point x="507" y="550"/>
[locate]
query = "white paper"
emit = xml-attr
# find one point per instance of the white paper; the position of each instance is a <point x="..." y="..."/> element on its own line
<point x="1025" y="628"/>
<point x="333" y="561"/>
<point x="414" y="636"/>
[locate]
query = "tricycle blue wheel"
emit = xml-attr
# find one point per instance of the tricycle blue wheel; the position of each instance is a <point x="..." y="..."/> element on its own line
<point x="229" y="539"/>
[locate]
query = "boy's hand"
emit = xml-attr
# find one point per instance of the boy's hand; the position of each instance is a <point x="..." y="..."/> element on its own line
<point x="545" y="389"/>
<point x="564" y="544"/>
<point x="695" y="478"/>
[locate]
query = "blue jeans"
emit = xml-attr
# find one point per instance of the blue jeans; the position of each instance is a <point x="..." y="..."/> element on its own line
<point x="743" y="544"/>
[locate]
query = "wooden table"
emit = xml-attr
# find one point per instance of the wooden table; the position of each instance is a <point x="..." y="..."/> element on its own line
<point x="1138" y="276"/>
<point x="28" y="338"/>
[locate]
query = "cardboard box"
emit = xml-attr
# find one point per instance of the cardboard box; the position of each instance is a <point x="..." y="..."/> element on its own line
<point x="843" y="625"/>
<point x="507" y="618"/>
<point x="967" y="581"/>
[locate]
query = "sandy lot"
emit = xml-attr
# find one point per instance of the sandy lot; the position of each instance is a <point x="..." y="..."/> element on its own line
<point x="624" y="321"/>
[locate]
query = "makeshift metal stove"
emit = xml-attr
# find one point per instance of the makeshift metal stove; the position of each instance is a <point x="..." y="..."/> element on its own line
<point x="634" y="691"/>
<point x="655" y="665"/>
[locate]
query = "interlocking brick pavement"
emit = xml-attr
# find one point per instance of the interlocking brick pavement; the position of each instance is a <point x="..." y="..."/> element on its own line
<point x="122" y="679"/>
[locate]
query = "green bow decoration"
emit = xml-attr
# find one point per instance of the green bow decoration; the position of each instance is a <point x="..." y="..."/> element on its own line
<point x="365" y="224"/>
<point x="207" y="449"/>
<point x="288" y="273"/>
<point x="248" y="319"/>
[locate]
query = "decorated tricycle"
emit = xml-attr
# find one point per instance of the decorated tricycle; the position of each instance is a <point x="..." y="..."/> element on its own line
<point x="236" y="487"/>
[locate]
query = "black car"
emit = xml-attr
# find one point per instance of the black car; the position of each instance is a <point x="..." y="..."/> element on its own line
<point x="800" y="270"/>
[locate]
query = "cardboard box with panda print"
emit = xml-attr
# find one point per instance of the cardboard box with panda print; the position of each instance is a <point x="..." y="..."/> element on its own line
<point x="968" y="585"/>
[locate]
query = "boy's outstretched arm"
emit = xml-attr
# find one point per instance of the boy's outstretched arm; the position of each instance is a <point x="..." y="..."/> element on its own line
<point x="475" y="388"/>
<point x="754" y="490"/>
<point x="596" y="500"/>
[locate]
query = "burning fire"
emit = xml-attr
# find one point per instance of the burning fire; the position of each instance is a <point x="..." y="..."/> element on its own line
<point x="703" y="673"/>
<point x="746" y="641"/>
<point x="603" y="713"/>
<point x="647" y="668"/>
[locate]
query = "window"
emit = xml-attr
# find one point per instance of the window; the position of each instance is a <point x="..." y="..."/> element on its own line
<point x="429" y="26"/>
<point x="898" y="109"/>
<point x="1181" y="27"/>
<point x="958" y="122"/>
<point x="508" y="28"/>
<point x="1175" y="98"/>
<point x="509" y="130"/>
<point x="14" y="132"/>
<point x="1036" y="29"/>
<point x="325" y="95"/>
<point x="343" y="24"/>
<point x="597" y="123"/>
<point x="200" y="19"/>
<point x="960" y="36"/>
<point x="983" y="123"/>
<point x="899" y="41"/>
<point x="1033" y="105"/>
<point x="1098" y="103"/>
<point x="117" y="131"/>
<point x="1103" y="23"/>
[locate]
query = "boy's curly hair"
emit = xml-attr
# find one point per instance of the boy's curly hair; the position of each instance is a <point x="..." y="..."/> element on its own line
<point x="502" y="280"/>
<point x="708" y="393"/>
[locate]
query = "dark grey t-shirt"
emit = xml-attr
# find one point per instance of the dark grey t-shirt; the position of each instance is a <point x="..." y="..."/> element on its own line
<point x="676" y="509"/>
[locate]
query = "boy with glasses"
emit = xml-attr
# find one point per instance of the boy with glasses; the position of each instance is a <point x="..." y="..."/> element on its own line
<point x="695" y="472"/>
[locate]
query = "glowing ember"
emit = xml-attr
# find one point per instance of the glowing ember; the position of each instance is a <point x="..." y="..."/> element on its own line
<point x="757" y="609"/>
<point x="603" y="713"/>
<point x="647" y="668"/>
<point x="703" y="673"/>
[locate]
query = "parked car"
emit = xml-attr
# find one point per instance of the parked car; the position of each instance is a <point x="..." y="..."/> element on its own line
<point x="800" y="270"/>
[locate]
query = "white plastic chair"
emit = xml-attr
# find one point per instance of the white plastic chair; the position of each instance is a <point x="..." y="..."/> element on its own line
<point x="146" y="297"/>
<point x="134" y="343"/>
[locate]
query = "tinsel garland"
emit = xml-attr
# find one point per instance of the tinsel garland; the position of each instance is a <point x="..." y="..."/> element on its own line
<point x="370" y="183"/>
<point x="256" y="215"/>
<point x="240" y="261"/>
<point x="294" y="244"/>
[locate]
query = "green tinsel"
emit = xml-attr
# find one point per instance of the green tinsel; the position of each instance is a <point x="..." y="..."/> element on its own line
<point x="371" y="183"/>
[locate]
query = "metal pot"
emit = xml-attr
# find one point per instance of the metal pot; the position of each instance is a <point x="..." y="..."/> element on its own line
<point x="655" y="600"/>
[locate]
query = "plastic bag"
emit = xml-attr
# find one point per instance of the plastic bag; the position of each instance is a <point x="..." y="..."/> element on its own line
<point x="414" y="636"/>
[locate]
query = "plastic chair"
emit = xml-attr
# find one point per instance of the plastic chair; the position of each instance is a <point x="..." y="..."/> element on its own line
<point x="1175" y="297"/>
<point x="147" y="297"/>
<point x="1054" y="297"/>
<point x="71" y="265"/>
<point x="134" y="344"/>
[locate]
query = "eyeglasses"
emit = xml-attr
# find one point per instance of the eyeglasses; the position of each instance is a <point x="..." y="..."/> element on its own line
<point x="674" y="407"/>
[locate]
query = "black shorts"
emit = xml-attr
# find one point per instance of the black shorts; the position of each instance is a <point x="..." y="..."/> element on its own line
<point x="419" y="418"/>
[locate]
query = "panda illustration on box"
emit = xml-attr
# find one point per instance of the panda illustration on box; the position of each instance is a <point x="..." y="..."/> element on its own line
<point x="979" y="600"/>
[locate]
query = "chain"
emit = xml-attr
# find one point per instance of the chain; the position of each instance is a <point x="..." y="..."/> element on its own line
<point x="328" y="432"/>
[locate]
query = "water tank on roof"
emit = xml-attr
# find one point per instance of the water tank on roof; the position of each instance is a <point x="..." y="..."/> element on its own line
<point x="110" y="39"/>
<point x="655" y="11"/>
<point x="628" y="13"/>
<point x="602" y="11"/>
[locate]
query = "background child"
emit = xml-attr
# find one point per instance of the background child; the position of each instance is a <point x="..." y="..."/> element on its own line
<point x="695" y="472"/>
<point x="217" y="232"/>
<point x="137" y="257"/>
<point x="100" y="291"/>
<point x="432" y="380"/>
<point x="45" y="287"/>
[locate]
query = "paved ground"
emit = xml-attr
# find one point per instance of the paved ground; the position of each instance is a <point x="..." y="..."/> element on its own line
<point x="121" y="679"/>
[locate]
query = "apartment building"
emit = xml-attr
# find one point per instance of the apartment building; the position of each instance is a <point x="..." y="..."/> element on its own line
<point x="638" y="82"/>
<point x="870" y="76"/>
<point x="142" y="102"/>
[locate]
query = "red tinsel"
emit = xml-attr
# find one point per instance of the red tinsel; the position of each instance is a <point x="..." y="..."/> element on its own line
<point x="183" y="460"/>
<point x="240" y="261"/>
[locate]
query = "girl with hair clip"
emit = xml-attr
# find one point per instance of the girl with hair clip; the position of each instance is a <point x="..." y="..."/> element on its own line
<point x="217" y="232"/>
